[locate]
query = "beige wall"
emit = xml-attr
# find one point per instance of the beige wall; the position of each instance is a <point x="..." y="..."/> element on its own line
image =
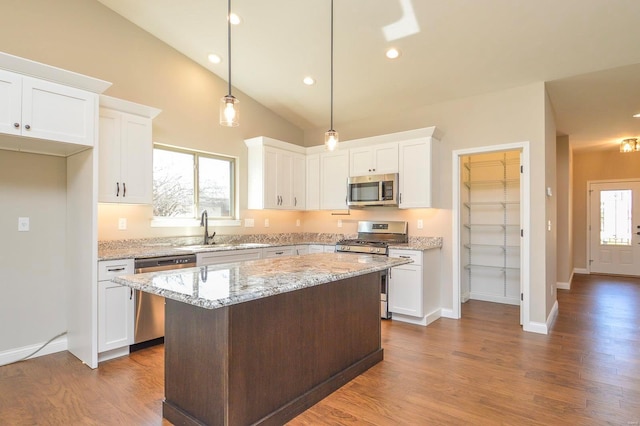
<point x="509" y="116"/>
<point x="86" y="37"/>
<point x="32" y="263"/>
<point x="564" y="194"/>
<point x="594" y="166"/>
<point x="551" y="206"/>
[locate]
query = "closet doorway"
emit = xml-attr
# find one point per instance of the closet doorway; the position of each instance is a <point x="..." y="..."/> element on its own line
<point x="489" y="208"/>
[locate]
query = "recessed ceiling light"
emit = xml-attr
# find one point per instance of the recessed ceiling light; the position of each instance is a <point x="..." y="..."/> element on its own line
<point x="392" y="53"/>
<point x="636" y="115"/>
<point x="309" y="81"/>
<point x="214" y="59"/>
<point x="234" y="19"/>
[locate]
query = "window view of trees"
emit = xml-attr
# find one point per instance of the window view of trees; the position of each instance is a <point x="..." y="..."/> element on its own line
<point x="185" y="183"/>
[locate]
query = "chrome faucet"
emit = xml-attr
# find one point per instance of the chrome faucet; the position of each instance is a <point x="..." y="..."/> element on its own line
<point x="204" y="221"/>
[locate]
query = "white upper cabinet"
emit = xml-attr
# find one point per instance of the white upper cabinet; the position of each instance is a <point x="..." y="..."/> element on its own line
<point x="418" y="173"/>
<point x="39" y="109"/>
<point x="373" y="160"/>
<point x="276" y="175"/>
<point x="334" y="172"/>
<point x="125" y="152"/>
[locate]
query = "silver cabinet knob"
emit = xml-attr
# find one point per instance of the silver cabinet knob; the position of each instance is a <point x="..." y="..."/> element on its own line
<point x="27" y="127"/>
<point x="16" y="125"/>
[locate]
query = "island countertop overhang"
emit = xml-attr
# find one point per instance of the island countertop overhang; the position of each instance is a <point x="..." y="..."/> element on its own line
<point x="216" y="286"/>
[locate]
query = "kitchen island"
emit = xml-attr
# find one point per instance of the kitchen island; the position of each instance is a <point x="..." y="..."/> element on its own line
<point x="259" y="342"/>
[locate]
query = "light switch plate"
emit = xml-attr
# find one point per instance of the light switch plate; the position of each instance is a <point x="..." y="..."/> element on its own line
<point x="297" y="222"/>
<point x="266" y="223"/>
<point x="23" y="224"/>
<point x="249" y="223"/>
<point x="420" y="224"/>
<point x="339" y="223"/>
<point x="122" y="223"/>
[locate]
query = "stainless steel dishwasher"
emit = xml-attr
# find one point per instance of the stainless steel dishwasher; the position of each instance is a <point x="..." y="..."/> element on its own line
<point x="149" y="313"/>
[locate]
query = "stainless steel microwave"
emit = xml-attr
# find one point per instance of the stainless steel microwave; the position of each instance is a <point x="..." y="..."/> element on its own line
<point x="373" y="190"/>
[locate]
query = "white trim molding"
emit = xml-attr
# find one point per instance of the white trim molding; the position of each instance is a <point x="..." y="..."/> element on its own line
<point x="13" y="355"/>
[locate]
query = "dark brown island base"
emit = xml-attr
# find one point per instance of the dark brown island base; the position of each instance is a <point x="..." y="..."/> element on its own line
<point x="267" y="360"/>
<point x="259" y="342"/>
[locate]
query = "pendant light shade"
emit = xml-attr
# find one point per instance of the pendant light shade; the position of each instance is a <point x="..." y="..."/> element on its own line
<point x="229" y="108"/>
<point x="629" y="145"/>
<point x="229" y="111"/>
<point x="331" y="136"/>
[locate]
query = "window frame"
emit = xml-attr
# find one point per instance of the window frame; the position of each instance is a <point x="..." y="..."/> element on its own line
<point x="232" y="219"/>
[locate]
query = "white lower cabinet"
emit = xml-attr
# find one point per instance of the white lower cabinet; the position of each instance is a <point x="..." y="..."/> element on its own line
<point x="271" y="252"/>
<point x="302" y="249"/>
<point x="321" y="248"/>
<point x="414" y="288"/>
<point x="116" y="308"/>
<point x="227" y="256"/>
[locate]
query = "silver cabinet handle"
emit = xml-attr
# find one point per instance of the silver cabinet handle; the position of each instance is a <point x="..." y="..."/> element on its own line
<point x="295" y="201"/>
<point x="124" y="190"/>
<point x="400" y="198"/>
<point x="115" y="270"/>
<point x="279" y="252"/>
<point x="117" y="189"/>
<point x="405" y="257"/>
<point x="130" y="293"/>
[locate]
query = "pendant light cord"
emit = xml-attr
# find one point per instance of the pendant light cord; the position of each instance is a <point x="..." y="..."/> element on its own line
<point x="331" y="65"/>
<point x="229" y="41"/>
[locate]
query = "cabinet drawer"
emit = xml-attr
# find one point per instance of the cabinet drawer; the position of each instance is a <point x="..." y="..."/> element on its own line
<point x="278" y="252"/>
<point x="416" y="256"/>
<point x="112" y="268"/>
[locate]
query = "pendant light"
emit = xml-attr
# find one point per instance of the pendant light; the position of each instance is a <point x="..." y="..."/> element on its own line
<point x="331" y="136"/>
<point x="229" y="109"/>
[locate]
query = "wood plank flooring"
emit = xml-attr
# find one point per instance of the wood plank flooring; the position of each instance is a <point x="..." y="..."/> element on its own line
<point x="481" y="370"/>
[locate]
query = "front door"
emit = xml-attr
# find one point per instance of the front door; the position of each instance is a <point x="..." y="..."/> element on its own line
<point x="614" y="228"/>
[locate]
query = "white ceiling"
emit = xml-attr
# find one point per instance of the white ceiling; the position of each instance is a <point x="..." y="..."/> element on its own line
<point x="588" y="51"/>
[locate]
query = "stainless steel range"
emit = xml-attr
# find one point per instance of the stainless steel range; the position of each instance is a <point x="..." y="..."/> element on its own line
<point x="374" y="238"/>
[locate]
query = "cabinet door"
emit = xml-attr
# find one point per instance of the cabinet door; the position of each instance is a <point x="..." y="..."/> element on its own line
<point x="284" y="174"/>
<point x="298" y="178"/>
<point x="302" y="249"/>
<point x="10" y="103"/>
<point x="334" y="172"/>
<point x="270" y="182"/>
<point x="405" y="290"/>
<point x="313" y="182"/>
<point x="115" y="316"/>
<point x="58" y="113"/>
<point x="385" y="158"/>
<point x="316" y="248"/>
<point x="109" y="185"/>
<point x="415" y="160"/>
<point x="136" y="153"/>
<point x="361" y="161"/>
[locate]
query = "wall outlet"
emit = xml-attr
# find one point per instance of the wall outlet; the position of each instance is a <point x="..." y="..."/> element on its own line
<point x="339" y="223"/>
<point x="23" y="224"/>
<point x="297" y="222"/>
<point x="420" y="224"/>
<point x="249" y="223"/>
<point x="266" y="223"/>
<point x="122" y="223"/>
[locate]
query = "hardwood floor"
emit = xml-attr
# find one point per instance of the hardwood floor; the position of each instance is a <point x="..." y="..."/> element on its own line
<point x="481" y="369"/>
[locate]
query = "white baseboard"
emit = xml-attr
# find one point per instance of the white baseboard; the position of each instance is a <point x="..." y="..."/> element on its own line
<point x="567" y="285"/>
<point x="580" y="271"/>
<point x="448" y="313"/>
<point x="424" y="321"/>
<point x="543" y="328"/>
<point x="13" y="355"/>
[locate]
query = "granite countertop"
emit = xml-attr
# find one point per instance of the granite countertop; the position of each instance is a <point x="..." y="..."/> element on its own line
<point x="136" y="249"/>
<point x="216" y="286"/>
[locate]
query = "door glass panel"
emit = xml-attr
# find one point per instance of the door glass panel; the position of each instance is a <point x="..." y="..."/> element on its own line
<point x="615" y="217"/>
